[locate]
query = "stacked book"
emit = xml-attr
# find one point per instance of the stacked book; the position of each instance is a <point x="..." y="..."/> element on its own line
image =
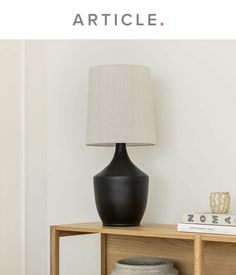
<point x="208" y="223"/>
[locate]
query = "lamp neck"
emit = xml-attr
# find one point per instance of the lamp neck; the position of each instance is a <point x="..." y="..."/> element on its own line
<point x="121" y="165"/>
<point x="121" y="152"/>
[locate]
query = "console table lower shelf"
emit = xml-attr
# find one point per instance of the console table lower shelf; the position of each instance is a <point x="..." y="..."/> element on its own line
<point x="194" y="254"/>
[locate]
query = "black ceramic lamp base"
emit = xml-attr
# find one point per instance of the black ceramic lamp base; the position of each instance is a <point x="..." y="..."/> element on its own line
<point x="121" y="191"/>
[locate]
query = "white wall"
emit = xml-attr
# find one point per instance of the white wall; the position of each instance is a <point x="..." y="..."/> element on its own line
<point x="36" y="229"/>
<point x="10" y="156"/>
<point x="195" y="98"/>
<point x="23" y="216"/>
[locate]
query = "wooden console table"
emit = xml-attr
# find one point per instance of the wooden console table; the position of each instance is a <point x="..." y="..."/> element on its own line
<point x="194" y="254"/>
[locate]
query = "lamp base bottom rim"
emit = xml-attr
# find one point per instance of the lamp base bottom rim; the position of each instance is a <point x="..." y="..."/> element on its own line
<point x="121" y="224"/>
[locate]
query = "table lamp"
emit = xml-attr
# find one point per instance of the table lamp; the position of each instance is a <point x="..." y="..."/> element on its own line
<point x="120" y="113"/>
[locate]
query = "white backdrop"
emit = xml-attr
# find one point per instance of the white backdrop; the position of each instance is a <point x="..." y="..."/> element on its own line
<point x="11" y="91"/>
<point x="195" y="99"/>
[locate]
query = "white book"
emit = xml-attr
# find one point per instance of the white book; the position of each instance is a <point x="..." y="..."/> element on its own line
<point x="210" y="218"/>
<point x="205" y="228"/>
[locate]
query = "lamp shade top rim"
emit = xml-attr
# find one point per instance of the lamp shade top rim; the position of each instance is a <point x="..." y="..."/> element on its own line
<point x="119" y="65"/>
<point x="112" y="144"/>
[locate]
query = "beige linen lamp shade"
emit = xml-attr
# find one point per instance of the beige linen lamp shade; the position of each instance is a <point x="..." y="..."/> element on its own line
<point x="120" y="106"/>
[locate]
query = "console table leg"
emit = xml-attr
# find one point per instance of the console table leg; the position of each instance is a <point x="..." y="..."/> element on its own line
<point x="198" y="256"/>
<point x="54" y="251"/>
<point x="103" y="254"/>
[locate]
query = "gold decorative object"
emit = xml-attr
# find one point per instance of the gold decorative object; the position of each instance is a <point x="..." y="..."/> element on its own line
<point x="220" y="202"/>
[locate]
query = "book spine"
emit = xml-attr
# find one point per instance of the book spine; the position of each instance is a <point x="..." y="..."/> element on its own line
<point x="208" y="218"/>
<point x="204" y="228"/>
